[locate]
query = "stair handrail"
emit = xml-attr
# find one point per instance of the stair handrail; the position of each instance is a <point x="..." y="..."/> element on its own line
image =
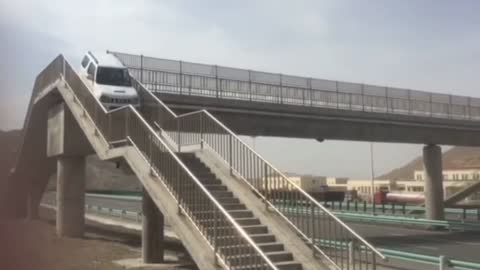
<point x="308" y="196"/>
<point x="140" y="86"/>
<point x="93" y="115"/>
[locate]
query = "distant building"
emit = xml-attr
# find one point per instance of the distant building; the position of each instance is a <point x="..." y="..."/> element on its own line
<point x="453" y="174"/>
<point x="309" y="183"/>
<point x="364" y="187"/>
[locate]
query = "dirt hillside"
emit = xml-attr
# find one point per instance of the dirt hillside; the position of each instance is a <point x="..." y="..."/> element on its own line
<point x="455" y="158"/>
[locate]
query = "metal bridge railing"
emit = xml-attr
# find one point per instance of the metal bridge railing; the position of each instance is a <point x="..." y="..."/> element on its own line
<point x="231" y="244"/>
<point x="276" y="189"/>
<point x="185" y="78"/>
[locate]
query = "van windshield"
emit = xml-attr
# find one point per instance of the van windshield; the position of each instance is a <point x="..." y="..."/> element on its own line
<point x="113" y="76"/>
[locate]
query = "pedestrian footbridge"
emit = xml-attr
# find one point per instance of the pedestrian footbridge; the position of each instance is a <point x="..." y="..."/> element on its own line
<point x="257" y="103"/>
<point x="231" y="208"/>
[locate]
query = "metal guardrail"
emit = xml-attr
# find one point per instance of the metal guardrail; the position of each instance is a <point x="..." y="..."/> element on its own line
<point x="194" y="200"/>
<point x="119" y="213"/>
<point x="441" y="261"/>
<point x="386" y="219"/>
<point x="353" y="207"/>
<point x="398" y="209"/>
<point x="185" y="78"/>
<point x="115" y="197"/>
<point x="450" y="225"/>
<point x="202" y="129"/>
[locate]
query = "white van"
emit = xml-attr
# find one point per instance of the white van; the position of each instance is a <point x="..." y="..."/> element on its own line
<point x="109" y="79"/>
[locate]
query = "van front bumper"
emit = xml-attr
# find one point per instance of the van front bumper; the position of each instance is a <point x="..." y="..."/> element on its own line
<point x="113" y="106"/>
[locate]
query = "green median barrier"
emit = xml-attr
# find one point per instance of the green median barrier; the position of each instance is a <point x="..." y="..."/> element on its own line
<point x="116" y="197"/>
<point x="410" y="257"/>
<point x="407" y="256"/>
<point x="115" y="192"/>
<point x="408" y="221"/>
<point x="462" y="265"/>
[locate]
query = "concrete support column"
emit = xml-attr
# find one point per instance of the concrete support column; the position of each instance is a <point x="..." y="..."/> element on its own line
<point x="152" y="231"/>
<point x="70" y="196"/>
<point x="432" y="159"/>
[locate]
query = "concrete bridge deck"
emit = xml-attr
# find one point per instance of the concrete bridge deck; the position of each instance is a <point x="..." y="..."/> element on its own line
<point x="292" y="106"/>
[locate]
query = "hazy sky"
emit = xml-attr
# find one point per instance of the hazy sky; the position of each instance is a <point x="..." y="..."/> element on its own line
<point x="427" y="45"/>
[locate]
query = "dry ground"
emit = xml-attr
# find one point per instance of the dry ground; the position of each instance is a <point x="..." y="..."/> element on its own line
<point x="34" y="245"/>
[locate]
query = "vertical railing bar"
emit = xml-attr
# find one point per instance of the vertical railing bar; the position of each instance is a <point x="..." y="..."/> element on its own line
<point x="312" y="217"/>
<point x="231" y="154"/>
<point x="215" y="235"/>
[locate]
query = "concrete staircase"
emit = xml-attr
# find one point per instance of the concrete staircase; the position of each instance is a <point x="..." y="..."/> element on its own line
<point x="259" y="232"/>
<point x="222" y="223"/>
<point x="125" y="135"/>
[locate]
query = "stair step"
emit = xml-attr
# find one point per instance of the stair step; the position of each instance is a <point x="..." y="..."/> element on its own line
<point x="291" y="265"/>
<point x="216" y="187"/>
<point x="251" y="230"/>
<point x="256" y="229"/>
<point x="279" y="256"/>
<point x="250" y="257"/>
<point x="270" y="247"/>
<point x="248" y="221"/>
<point x="200" y="171"/>
<point x="193" y="161"/>
<point x="198" y="168"/>
<point x="239" y="254"/>
<point x="234" y="206"/>
<point x="240" y="213"/>
<point x="221" y="194"/>
<point x="227" y="200"/>
<point x="209" y="180"/>
<point x="265" y="247"/>
<point x="263" y="238"/>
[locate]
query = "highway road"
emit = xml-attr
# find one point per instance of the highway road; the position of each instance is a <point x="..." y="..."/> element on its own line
<point x="457" y="245"/>
<point x="472" y="215"/>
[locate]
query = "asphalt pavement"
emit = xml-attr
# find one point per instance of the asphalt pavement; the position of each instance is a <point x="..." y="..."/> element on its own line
<point x="457" y="245"/>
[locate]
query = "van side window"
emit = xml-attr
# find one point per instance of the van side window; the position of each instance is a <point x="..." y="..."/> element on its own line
<point x="85" y="61"/>
<point x="91" y="70"/>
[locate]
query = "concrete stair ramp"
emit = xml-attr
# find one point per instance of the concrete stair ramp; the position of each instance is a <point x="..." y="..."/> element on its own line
<point x="147" y="156"/>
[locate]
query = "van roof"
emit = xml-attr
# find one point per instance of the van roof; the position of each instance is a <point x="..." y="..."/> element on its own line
<point x="106" y="60"/>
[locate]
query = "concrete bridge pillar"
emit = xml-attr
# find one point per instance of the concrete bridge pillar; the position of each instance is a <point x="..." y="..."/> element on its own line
<point x="152" y="231"/>
<point x="67" y="143"/>
<point x="70" y="196"/>
<point x="432" y="159"/>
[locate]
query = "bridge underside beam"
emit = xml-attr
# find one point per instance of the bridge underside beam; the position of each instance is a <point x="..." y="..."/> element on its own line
<point x="263" y="119"/>
<point x="339" y="129"/>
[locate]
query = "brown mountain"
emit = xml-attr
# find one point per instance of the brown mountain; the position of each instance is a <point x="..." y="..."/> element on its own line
<point x="455" y="158"/>
<point x="101" y="175"/>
